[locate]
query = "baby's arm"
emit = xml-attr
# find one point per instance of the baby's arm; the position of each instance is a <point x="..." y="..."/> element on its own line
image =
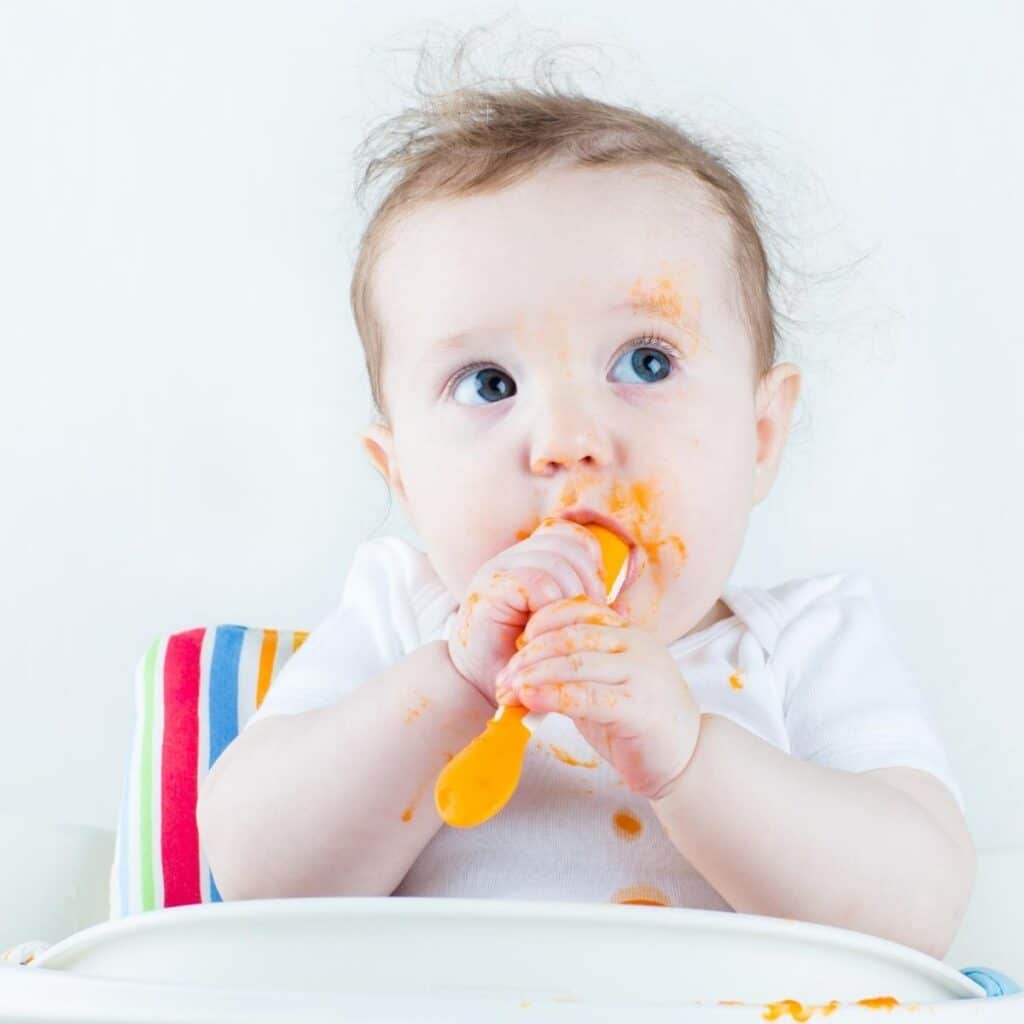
<point x="339" y="801"/>
<point x="787" y="838"/>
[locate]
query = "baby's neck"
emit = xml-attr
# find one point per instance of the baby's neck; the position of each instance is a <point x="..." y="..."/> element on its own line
<point x="718" y="611"/>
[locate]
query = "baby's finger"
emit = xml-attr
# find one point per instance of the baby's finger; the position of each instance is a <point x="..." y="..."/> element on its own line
<point x="579" y="538"/>
<point x="578" y="556"/>
<point x="525" y="566"/>
<point x="577" y="532"/>
<point x="600" y="666"/>
<point x="567" y="612"/>
<point x="595" y="702"/>
<point x="571" y="643"/>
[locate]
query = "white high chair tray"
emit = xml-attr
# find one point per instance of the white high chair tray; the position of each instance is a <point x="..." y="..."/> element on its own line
<point x="428" y="959"/>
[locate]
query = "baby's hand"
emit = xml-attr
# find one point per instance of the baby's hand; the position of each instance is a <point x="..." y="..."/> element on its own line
<point x="559" y="559"/>
<point x="619" y="684"/>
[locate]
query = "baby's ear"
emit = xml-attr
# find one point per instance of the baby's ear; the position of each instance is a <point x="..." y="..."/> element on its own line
<point x="776" y="397"/>
<point x="379" y="442"/>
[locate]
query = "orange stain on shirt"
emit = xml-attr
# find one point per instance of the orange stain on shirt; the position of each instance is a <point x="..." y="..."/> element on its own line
<point x="570" y="760"/>
<point x="642" y="895"/>
<point x="736" y="681"/>
<point x="627" y="824"/>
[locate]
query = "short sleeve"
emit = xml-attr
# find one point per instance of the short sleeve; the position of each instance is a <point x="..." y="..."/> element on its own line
<point x="374" y="626"/>
<point x="850" y="700"/>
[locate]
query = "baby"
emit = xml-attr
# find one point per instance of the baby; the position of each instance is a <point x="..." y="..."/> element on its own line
<point x="565" y="313"/>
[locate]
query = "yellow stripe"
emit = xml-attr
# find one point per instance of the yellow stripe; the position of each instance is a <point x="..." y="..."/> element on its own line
<point x="268" y="650"/>
<point x="298" y="639"/>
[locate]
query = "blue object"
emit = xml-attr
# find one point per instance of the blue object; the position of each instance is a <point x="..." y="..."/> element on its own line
<point x="994" y="982"/>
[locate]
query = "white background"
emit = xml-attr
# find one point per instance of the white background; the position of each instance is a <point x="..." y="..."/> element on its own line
<point x="182" y="388"/>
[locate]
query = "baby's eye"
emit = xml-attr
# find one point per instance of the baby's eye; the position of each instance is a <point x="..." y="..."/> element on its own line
<point x="650" y="358"/>
<point x="484" y="380"/>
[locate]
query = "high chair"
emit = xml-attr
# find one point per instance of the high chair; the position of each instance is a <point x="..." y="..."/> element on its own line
<point x="128" y="925"/>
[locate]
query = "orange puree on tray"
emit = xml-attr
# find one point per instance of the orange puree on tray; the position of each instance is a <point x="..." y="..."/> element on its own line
<point x="481" y="779"/>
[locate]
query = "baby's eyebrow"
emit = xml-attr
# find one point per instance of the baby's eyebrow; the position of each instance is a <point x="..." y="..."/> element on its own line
<point x="460" y="339"/>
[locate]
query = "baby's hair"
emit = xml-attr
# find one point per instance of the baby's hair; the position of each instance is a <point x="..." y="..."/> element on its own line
<point x="469" y="139"/>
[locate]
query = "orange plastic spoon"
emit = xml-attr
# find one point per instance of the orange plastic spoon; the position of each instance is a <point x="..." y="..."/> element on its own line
<point x="481" y="778"/>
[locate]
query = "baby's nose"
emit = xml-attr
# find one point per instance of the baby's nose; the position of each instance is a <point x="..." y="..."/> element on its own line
<point x="568" y="439"/>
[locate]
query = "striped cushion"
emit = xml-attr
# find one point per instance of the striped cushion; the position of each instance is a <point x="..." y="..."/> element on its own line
<point x="193" y="692"/>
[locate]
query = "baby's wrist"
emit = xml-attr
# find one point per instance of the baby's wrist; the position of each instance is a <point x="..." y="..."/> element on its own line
<point x="666" y="789"/>
<point x="464" y="685"/>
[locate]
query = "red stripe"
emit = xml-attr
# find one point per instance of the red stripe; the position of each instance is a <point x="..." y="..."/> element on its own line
<point x="179" y="835"/>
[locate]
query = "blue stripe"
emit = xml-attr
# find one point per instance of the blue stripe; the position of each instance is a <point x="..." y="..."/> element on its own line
<point x="223" y="696"/>
<point x="227" y="650"/>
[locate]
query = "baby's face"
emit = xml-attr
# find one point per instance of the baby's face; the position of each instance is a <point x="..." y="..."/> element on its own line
<point x="556" y="287"/>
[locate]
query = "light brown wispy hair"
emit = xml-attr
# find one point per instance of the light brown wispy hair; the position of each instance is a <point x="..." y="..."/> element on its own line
<point x="470" y="139"/>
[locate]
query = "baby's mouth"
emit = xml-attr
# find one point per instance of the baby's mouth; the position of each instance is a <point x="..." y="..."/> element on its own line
<point x="590" y="515"/>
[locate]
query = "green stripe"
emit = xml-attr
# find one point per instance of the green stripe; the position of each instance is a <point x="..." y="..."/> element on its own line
<point x="146" y="782"/>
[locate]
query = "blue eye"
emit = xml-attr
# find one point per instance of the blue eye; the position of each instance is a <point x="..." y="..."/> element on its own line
<point x="650" y="357"/>
<point x="486" y="380"/>
<point x="647" y="365"/>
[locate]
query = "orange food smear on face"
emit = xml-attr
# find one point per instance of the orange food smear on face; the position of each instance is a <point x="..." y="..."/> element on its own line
<point x="634" y="506"/>
<point x="666" y="299"/>
<point x="627" y="824"/>
<point x="570" y="760"/>
<point x="677" y="543"/>
<point x="736" y="681"/>
<point x="879" y="1002"/>
<point x="642" y="895"/>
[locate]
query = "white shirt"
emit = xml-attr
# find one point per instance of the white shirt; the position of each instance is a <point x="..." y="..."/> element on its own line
<point x="820" y="678"/>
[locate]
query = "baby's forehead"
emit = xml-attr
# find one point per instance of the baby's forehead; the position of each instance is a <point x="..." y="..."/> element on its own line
<point x="569" y="245"/>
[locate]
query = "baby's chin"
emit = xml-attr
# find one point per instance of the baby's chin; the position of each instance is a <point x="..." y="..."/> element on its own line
<point x="670" y="616"/>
